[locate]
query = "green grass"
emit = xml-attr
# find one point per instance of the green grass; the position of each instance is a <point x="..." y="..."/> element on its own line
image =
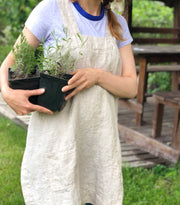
<point x="12" y="143"/>
<point x="157" y="186"/>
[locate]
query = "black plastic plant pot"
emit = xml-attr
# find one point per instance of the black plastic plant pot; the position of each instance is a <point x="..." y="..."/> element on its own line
<point x="53" y="98"/>
<point x="24" y="84"/>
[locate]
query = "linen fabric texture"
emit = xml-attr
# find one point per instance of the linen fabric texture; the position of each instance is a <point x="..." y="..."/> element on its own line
<point x="74" y="156"/>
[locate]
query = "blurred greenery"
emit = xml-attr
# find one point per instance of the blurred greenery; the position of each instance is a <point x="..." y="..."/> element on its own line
<point x="4" y="50"/>
<point x="147" y="13"/>
<point x="159" y="81"/>
<point x="14" y="13"/>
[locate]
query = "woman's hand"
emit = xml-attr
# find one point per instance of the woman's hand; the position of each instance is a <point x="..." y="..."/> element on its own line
<point x="83" y="79"/>
<point x="18" y="100"/>
<point x="124" y="85"/>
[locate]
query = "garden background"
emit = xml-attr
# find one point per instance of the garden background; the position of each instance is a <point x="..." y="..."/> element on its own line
<point x="159" y="185"/>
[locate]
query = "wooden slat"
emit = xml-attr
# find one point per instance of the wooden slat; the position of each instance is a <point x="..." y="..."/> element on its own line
<point x="156" y="40"/>
<point x="161" y="68"/>
<point x="176" y="131"/>
<point x="128" y="148"/>
<point x="133" y="158"/>
<point x="141" y="88"/>
<point x="131" y="104"/>
<point x="133" y="152"/>
<point x="158" y="118"/>
<point x="146" y="163"/>
<point x="171" y="98"/>
<point x="155" y="30"/>
<point x="148" y="144"/>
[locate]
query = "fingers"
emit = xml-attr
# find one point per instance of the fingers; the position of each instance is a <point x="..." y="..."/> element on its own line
<point x="29" y="107"/>
<point x="18" y="100"/>
<point x="79" y="88"/>
<point x="73" y="85"/>
<point x="33" y="107"/>
<point x="82" y="79"/>
<point x="76" y="76"/>
<point x="40" y="109"/>
<point x="73" y="72"/>
<point x="35" y="92"/>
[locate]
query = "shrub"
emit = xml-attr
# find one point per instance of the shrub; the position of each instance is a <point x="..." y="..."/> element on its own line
<point x="148" y="13"/>
<point x="15" y="13"/>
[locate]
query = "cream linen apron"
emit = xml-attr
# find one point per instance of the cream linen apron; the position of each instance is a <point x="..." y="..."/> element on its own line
<point x="74" y="156"/>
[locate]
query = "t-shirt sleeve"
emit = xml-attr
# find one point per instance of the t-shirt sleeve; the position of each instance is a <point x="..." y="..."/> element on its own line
<point x="126" y="33"/>
<point x="38" y="21"/>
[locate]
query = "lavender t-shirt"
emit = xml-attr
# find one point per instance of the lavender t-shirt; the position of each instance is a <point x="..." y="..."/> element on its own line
<point x="46" y="18"/>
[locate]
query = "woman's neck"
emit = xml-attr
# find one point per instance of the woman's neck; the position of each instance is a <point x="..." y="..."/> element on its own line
<point x="92" y="7"/>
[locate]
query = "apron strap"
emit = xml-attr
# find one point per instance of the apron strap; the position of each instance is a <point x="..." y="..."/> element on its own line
<point x="108" y="33"/>
<point x="68" y="17"/>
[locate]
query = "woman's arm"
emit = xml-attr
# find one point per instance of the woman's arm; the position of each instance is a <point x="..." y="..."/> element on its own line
<point x="124" y="86"/>
<point x="18" y="100"/>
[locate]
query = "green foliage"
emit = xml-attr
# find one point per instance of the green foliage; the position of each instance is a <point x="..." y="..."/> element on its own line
<point x="159" y="81"/>
<point x="7" y="38"/>
<point x="15" y="13"/>
<point x="147" y="13"/>
<point x="59" y="58"/>
<point x="25" y="58"/>
<point x="54" y="60"/>
<point x="4" y="50"/>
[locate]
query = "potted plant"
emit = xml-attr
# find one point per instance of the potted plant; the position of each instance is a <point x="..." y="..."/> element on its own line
<point x="46" y="67"/>
<point x="57" y="63"/>
<point x="24" y="74"/>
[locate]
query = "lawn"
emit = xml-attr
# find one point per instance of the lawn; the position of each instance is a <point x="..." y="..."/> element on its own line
<point x="158" y="186"/>
<point x="12" y="143"/>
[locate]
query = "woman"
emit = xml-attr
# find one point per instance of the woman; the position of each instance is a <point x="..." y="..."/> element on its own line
<point x="73" y="156"/>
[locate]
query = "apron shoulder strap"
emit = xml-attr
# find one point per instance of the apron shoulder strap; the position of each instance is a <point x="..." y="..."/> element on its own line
<point x="68" y="16"/>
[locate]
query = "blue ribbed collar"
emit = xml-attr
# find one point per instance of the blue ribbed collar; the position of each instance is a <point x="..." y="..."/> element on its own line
<point x="86" y="15"/>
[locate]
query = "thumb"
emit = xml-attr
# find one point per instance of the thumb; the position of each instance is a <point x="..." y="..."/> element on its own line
<point x="36" y="92"/>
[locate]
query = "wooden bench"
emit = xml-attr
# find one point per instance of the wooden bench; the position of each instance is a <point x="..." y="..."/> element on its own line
<point x="172" y="36"/>
<point x="174" y="68"/>
<point x="172" y="99"/>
